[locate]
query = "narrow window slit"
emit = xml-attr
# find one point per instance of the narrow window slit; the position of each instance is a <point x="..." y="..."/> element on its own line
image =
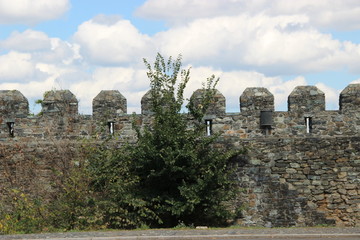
<point x="208" y="124"/>
<point x="111" y="126"/>
<point x="11" y="128"/>
<point x="308" y="124"/>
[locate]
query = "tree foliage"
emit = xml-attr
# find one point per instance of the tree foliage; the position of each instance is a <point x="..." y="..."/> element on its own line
<point x="179" y="176"/>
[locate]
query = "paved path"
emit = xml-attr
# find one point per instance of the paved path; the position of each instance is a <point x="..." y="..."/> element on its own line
<point x="198" y="234"/>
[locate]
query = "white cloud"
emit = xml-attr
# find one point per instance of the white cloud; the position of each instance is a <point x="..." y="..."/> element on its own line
<point x="180" y="11"/>
<point x="130" y="82"/>
<point x="110" y="40"/>
<point x="41" y="47"/>
<point x="355" y="81"/>
<point x="273" y="45"/>
<point x="335" y="14"/>
<point x="339" y="14"/>
<point x="16" y="66"/>
<point x="61" y="52"/>
<point x="27" y="41"/>
<point x="31" y="11"/>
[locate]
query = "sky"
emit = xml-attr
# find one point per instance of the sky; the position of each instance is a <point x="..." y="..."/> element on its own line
<point x="90" y="45"/>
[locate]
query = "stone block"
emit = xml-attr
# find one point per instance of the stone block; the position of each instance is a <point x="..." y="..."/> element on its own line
<point x="342" y="175"/>
<point x="352" y="192"/>
<point x="291" y="170"/>
<point x="256" y="99"/>
<point x="316" y="182"/>
<point x="13" y="104"/>
<point x="109" y="104"/>
<point x="294" y="165"/>
<point x="349" y="186"/>
<point x="59" y="102"/>
<point x="350" y="98"/>
<point x="342" y="191"/>
<point x="217" y="106"/>
<point x="306" y="99"/>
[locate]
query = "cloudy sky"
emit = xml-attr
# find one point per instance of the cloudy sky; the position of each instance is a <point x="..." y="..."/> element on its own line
<point x="90" y="45"/>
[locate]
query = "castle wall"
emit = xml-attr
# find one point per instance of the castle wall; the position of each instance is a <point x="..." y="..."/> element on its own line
<point x="302" y="166"/>
<point x="300" y="181"/>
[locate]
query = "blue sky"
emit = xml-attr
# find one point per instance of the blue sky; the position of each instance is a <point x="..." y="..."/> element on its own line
<point x="89" y="45"/>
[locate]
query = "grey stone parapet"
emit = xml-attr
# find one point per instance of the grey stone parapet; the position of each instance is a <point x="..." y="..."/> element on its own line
<point x="13" y="104"/>
<point x="59" y="102"/>
<point x="303" y="99"/>
<point x="256" y="99"/>
<point x="306" y="99"/>
<point x="350" y="98"/>
<point x="217" y="106"/>
<point x="145" y="103"/>
<point x="109" y="104"/>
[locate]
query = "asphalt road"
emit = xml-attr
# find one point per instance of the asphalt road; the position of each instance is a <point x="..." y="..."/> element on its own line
<point x="202" y="234"/>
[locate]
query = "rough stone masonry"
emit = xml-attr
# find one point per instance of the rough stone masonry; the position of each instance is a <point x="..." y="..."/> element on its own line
<point x="301" y="169"/>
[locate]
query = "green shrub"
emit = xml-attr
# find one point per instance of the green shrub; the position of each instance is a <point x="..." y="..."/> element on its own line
<point x="21" y="213"/>
<point x="173" y="173"/>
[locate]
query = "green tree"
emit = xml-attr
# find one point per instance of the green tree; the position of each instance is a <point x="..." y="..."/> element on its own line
<point x="178" y="176"/>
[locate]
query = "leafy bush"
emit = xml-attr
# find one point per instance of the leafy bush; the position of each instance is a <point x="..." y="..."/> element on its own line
<point x="75" y="206"/>
<point x="20" y="213"/>
<point x="173" y="173"/>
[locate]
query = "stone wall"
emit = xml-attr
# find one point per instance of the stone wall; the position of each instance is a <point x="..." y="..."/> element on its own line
<point x="302" y="166"/>
<point x="301" y="181"/>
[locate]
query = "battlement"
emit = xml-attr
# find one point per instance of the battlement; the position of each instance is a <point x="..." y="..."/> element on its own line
<point x="350" y="98"/>
<point x="59" y="102"/>
<point x="256" y="99"/>
<point x="109" y="103"/>
<point x="306" y="99"/>
<point x="257" y="117"/>
<point x="303" y="99"/>
<point x="13" y="104"/>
